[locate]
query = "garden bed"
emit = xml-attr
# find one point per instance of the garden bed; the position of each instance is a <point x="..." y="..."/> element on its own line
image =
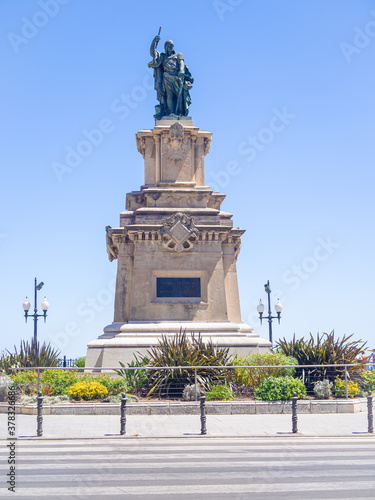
<point x="178" y="368"/>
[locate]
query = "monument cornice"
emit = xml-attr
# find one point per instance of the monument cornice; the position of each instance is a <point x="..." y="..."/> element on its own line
<point x="171" y="210"/>
<point x="123" y="234"/>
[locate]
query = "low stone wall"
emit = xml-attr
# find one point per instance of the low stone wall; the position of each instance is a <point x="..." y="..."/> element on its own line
<point x="192" y="408"/>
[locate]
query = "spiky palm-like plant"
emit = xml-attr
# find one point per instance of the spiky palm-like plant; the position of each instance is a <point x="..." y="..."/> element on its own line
<point x="30" y="354"/>
<point x="326" y="350"/>
<point x="180" y="350"/>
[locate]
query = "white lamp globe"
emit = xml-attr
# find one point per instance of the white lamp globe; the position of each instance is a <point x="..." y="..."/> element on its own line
<point x="45" y="304"/>
<point x="26" y="305"/>
<point x="278" y="306"/>
<point x="260" y="307"/>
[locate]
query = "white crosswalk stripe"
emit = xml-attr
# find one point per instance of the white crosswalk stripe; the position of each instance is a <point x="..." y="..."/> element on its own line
<point x="239" y="469"/>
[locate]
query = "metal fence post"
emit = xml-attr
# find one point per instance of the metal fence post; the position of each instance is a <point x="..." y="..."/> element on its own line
<point x="203" y="413"/>
<point x="39" y="418"/>
<point x="370" y="416"/>
<point x="123" y="414"/>
<point x="346" y="382"/>
<point x="294" y="413"/>
<point x="195" y="382"/>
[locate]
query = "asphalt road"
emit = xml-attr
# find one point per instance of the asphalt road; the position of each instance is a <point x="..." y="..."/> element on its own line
<point x="293" y="467"/>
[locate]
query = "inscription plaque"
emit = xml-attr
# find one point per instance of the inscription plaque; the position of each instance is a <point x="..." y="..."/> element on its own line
<point x="178" y="287"/>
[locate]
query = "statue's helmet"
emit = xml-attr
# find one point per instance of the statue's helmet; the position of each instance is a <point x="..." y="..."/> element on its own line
<point x="170" y="43"/>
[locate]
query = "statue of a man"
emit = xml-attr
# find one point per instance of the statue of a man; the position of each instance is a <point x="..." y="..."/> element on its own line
<point x="173" y="80"/>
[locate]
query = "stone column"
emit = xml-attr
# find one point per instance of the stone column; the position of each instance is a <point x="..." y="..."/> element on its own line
<point x="193" y="140"/>
<point x="230" y="282"/>
<point x="199" y="161"/>
<point x="157" y="160"/>
<point x="124" y="282"/>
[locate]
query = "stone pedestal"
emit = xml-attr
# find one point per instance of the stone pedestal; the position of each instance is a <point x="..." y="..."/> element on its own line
<point x="176" y="253"/>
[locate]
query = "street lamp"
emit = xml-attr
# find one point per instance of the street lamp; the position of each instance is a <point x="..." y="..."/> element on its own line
<point x="44" y="305"/>
<point x="278" y="309"/>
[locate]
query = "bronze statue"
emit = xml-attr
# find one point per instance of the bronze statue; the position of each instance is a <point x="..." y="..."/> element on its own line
<point x="173" y="80"/>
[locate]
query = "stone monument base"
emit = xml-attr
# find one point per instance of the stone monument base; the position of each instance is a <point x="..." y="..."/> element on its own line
<point x="120" y="341"/>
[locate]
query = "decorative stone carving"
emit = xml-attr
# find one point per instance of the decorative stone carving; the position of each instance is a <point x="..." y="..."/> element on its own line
<point x="112" y="249"/>
<point x="141" y="145"/>
<point x="237" y="247"/>
<point x="176" y="136"/>
<point x="179" y="233"/>
<point x="117" y="239"/>
<point x="113" y="242"/>
<point x="207" y="144"/>
<point x="140" y="198"/>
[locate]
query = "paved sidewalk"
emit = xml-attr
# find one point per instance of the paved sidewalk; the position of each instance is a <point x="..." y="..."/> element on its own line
<point x="104" y="426"/>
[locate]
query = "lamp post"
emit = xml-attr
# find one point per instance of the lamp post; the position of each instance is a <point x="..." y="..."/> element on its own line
<point x="44" y="305"/>
<point x="278" y="309"/>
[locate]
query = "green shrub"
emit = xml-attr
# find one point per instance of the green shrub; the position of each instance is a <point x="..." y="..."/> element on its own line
<point x="135" y="379"/>
<point x="80" y="362"/>
<point x="254" y="376"/>
<point x="26" y="381"/>
<point x="368" y="380"/>
<point x="58" y="381"/>
<point x="88" y="390"/>
<point x="326" y="350"/>
<point x="180" y="350"/>
<point x="219" y="393"/>
<point x="24" y="377"/>
<point x="353" y="388"/>
<point x="322" y="389"/>
<point x="280" y="389"/>
<point x="113" y="385"/>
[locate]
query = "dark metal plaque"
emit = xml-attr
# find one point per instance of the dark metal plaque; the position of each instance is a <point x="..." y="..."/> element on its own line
<point x="178" y="287"/>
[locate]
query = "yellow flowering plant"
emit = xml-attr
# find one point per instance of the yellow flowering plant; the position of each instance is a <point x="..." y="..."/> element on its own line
<point x="88" y="390"/>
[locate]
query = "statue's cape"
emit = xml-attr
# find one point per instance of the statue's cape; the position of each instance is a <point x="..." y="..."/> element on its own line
<point x="158" y="75"/>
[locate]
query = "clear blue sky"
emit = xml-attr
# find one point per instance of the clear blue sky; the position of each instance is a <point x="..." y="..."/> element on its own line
<point x="302" y="186"/>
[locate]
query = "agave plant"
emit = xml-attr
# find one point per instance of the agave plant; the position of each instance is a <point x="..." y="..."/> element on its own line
<point x="31" y="354"/>
<point x="135" y="380"/>
<point x="325" y="351"/>
<point x="180" y="350"/>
